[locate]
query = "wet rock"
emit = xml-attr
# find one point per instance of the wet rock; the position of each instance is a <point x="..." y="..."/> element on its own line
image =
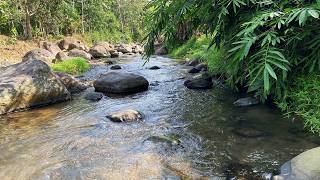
<point x="115" y="67"/>
<point x="203" y="81"/>
<point x="29" y="84"/>
<point x="79" y="53"/>
<point x="249" y="132"/>
<point x="172" y="139"/>
<point x="129" y="115"/>
<point x="121" y="83"/>
<point x="40" y="54"/>
<point x="245" y="102"/>
<point x="110" y="62"/>
<point x="154" y="68"/>
<point x="72" y="84"/>
<point x="193" y="62"/>
<point x="115" y="54"/>
<point x="198" y="68"/>
<point x="93" y="96"/>
<point x="99" y="51"/>
<point x="303" y="166"/>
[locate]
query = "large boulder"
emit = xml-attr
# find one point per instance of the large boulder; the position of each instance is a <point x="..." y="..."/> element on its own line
<point x="61" y="56"/>
<point x="99" y="51"/>
<point x="120" y="83"/>
<point x="129" y="115"/>
<point x="67" y="44"/>
<point x="77" y="45"/>
<point x="29" y="84"/>
<point x="72" y="84"/>
<point x="64" y="44"/>
<point x="79" y="53"/>
<point x="203" y="81"/>
<point x="124" y="48"/>
<point x="52" y="47"/>
<point x="40" y="54"/>
<point x="304" y="166"/>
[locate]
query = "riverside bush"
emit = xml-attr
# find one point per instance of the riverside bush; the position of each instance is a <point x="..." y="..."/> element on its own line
<point x="74" y="66"/>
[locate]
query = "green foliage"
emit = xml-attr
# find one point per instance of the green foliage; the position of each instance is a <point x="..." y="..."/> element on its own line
<point x="123" y="18"/>
<point x="197" y="48"/>
<point x="267" y="43"/>
<point x="304" y="100"/>
<point x="75" y="66"/>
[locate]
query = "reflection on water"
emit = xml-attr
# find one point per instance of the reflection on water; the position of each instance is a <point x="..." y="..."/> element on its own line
<point x="186" y="134"/>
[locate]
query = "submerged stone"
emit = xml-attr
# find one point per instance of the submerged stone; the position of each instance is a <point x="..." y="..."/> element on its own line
<point x="154" y="68"/>
<point x="249" y="132"/>
<point x="245" y="102"/>
<point x="93" y="96"/>
<point x="129" y="115"/>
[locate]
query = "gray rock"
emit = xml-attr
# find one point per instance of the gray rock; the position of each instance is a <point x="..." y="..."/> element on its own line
<point x="129" y="115"/>
<point x="245" y="102"/>
<point x="124" y="48"/>
<point x="77" y="45"/>
<point x="79" y="53"/>
<point x="120" y="83"/>
<point x="52" y="47"/>
<point x="193" y="62"/>
<point x="64" y="44"/>
<point x="72" y="84"/>
<point x="115" y="54"/>
<point x="61" y="56"/>
<point x="40" y="54"/>
<point x="93" y="96"/>
<point x="305" y="166"/>
<point x="29" y="84"/>
<point x="99" y="51"/>
<point x="203" y="81"/>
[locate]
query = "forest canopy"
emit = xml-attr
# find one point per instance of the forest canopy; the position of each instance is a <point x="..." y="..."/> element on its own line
<point x="117" y="19"/>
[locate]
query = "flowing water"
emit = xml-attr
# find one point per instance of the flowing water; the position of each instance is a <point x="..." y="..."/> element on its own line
<point x="186" y="134"/>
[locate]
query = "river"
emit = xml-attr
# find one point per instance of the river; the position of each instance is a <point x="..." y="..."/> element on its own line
<point x="185" y="134"/>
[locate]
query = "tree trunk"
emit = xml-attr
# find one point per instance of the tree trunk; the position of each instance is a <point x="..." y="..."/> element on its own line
<point x="27" y="29"/>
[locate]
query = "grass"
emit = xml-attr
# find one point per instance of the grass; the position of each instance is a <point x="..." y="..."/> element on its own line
<point x="75" y="66"/>
<point x="304" y="100"/>
<point x="197" y="48"/>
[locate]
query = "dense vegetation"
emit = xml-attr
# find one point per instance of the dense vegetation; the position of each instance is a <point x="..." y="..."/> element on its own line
<point x="266" y="45"/>
<point x="74" y="66"/>
<point x="112" y="20"/>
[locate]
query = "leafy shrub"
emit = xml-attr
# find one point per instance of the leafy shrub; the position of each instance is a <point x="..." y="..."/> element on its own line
<point x="304" y="100"/>
<point x="197" y="48"/>
<point x="75" y="66"/>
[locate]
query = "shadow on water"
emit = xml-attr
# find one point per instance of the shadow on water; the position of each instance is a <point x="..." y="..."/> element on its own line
<point x="186" y="134"/>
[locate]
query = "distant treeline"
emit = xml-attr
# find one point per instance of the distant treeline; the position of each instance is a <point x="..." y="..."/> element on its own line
<point x="102" y="19"/>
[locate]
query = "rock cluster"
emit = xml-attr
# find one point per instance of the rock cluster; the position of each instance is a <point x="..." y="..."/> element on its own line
<point x="65" y="49"/>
